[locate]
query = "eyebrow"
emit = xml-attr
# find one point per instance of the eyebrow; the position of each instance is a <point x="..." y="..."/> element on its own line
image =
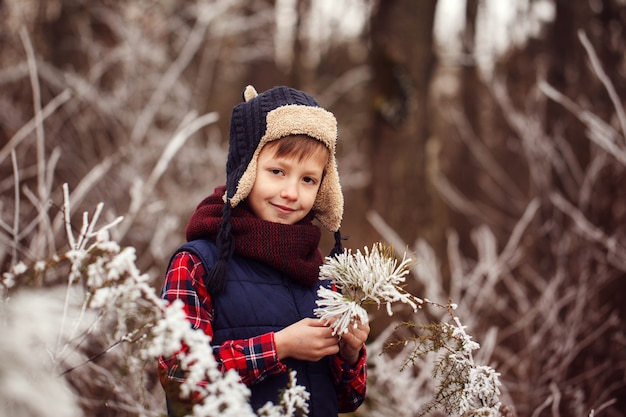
<point x="295" y="161"/>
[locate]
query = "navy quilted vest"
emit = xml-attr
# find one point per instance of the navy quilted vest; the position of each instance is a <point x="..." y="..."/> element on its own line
<point x="258" y="299"/>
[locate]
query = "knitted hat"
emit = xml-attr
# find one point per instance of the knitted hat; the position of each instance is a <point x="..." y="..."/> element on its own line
<point x="272" y="115"/>
<point x="260" y="119"/>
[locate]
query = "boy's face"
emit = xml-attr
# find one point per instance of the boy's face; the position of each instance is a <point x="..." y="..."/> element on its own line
<point x="285" y="187"/>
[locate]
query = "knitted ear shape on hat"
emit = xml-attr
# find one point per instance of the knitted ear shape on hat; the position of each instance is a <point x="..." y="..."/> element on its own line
<point x="272" y="115"/>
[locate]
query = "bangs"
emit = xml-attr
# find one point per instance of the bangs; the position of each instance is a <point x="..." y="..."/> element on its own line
<point x="300" y="147"/>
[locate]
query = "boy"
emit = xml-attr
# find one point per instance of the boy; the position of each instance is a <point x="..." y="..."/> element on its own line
<point x="248" y="275"/>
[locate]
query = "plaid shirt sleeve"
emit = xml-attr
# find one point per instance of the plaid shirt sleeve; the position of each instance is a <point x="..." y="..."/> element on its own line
<point x="350" y="382"/>
<point x="254" y="359"/>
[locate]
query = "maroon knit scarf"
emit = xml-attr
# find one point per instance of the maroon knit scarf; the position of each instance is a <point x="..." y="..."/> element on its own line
<point x="291" y="249"/>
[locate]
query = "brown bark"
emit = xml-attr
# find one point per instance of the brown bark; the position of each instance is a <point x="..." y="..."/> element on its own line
<point x="402" y="60"/>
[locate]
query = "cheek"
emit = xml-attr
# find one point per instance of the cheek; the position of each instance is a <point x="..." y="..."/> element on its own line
<point x="257" y="194"/>
<point x="262" y="183"/>
<point x="309" y="198"/>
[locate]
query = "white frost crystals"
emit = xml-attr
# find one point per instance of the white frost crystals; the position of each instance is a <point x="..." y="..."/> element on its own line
<point x="372" y="276"/>
<point x="293" y="402"/>
<point x="466" y="388"/>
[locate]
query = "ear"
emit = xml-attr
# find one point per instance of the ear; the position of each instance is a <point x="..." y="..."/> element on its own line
<point x="249" y="93"/>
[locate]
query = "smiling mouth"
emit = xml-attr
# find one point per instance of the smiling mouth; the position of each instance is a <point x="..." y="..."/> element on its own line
<point x="283" y="209"/>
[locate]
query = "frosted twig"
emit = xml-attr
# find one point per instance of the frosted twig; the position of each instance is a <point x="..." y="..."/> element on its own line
<point x="16" y="219"/>
<point x="344" y="83"/>
<point x="602" y="407"/>
<point x="385" y="230"/>
<point x="600" y="133"/>
<point x="43" y="191"/>
<point x="456" y="199"/>
<point x="66" y="212"/>
<point x="507" y="254"/>
<point x="25" y="130"/>
<point x="542" y="407"/>
<point x="595" y="167"/>
<point x="34" y="81"/>
<point x="616" y="251"/>
<point x="174" y="145"/>
<point x="73" y="246"/>
<point x="461" y="203"/>
<point x="191" y="46"/>
<point x="86" y="184"/>
<point x="88" y="227"/>
<point x="606" y="81"/>
<point x="42" y="211"/>
<point x="484" y="157"/>
<point x="455" y="260"/>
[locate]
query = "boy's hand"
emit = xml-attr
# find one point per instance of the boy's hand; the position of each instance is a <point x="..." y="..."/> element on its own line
<point x="308" y="339"/>
<point x="351" y="342"/>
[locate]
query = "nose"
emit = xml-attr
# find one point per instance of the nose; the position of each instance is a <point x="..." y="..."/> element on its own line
<point x="289" y="191"/>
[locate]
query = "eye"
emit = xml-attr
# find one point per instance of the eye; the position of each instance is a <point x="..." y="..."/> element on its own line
<point x="275" y="171"/>
<point x="309" y="180"/>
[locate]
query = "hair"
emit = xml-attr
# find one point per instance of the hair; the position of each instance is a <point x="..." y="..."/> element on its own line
<point x="300" y="147"/>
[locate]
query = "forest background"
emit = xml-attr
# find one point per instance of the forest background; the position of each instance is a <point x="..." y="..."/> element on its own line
<point x="488" y="138"/>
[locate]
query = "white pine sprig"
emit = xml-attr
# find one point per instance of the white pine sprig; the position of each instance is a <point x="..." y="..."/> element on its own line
<point x="371" y="276"/>
<point x="464" y="388"/>
<point x="294" y="401"/>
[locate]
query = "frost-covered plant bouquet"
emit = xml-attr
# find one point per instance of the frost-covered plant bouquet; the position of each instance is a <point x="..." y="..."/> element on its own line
<point x="369" y="277"/>
<point x="375" y="276"/>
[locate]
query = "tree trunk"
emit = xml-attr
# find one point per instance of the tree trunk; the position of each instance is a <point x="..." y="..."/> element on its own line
<point x="402" y="62"/>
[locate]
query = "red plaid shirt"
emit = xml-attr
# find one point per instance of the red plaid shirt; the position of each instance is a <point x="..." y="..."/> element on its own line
<point x="254" y="359"/>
